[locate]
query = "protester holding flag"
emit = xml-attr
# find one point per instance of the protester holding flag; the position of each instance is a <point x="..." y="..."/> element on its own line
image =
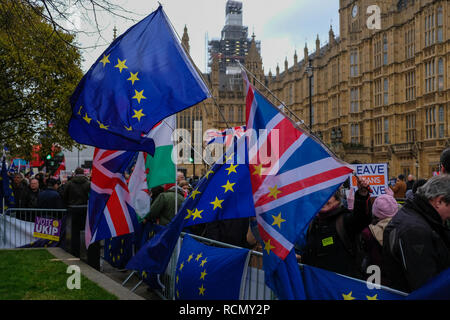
<point x="331" y="237"/>
<point x="416" y="244"/>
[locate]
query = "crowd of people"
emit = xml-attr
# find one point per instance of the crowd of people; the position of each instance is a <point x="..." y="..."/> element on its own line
<point x="409" y="242"/>
<point x="405" y="232"/>
<point x="43" y="191"/>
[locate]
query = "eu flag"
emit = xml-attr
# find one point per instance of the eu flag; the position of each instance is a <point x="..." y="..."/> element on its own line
<point x="119" y="250"/>
<point x="322" y="284"/>
<point x="209" y="273"/>
<point x="438" y="288"/>
<point x="6" y="191"/>
<point x="142" y="77"/>
<point x="223" y="193"/>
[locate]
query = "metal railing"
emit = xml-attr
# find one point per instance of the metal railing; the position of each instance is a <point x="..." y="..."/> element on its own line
<point x="254" y="285"/>
<point x="17" y="225"/>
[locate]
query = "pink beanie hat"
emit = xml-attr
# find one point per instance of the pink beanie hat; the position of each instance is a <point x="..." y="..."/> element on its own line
<point x="384" y="206"/>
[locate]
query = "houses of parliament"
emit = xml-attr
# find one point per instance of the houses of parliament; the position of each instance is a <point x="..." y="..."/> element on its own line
<point x="372" y="95"/>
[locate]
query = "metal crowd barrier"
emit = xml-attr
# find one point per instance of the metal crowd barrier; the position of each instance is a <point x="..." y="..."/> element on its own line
<point x="254" y="286"/>
<point x="17" y="225"/>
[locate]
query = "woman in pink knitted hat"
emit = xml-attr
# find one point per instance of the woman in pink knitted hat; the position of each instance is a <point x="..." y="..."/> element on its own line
<point x="383" y="209"/>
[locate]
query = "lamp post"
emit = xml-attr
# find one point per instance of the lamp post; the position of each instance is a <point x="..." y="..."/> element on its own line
<point x="309" y="72"/>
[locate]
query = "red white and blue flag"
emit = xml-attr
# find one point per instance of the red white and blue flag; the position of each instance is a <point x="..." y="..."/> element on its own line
<point x="224" y="137"/>
<point x="110" y="213"/>
<point x="292" y="175"/>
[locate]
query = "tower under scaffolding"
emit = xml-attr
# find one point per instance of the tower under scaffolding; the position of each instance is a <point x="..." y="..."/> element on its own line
<point x="233" y="45"/>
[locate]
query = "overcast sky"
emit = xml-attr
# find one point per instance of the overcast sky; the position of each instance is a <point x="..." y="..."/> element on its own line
<point x="282" y="26"/>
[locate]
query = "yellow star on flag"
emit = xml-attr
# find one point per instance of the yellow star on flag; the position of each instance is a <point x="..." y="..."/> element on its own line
<point x="208" y="173"/>
<point x="268" y="246"/>
<point x="138" y="114"/>
<point x="372" y="298"/>
<point x="196" y="214"/>
<point x="79" y="110"/>
<point x="203" y="262"/>
<point x="102" y="126"/>
<point x="133" y="77"/>
<point x="189" y="214"/>
<point x="274" y="192"/>
<point x="231" y="168"/>
<point x="121" y="65"/>
<point x="86" y="118"/>
<point x="277" y="220"/>
<point x="138" y="95"/>
<point x="128" y="128"/>
<point x="348" y="296"/>
<point x="190" y="257"/>
<point x="201" y="290"/>
<point x="217" y="203"/>
<point x="105" y="60"/>
<point x="203" y="274"/>
<point x="258" y="169"/>
<point x="229" y="158"/>
<point x="181" y="266"/>
<point x="228" y="186"/>
<point x="199" y="256"/>
<point x="194" y="193"/>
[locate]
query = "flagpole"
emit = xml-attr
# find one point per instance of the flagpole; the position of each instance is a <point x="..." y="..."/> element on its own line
<point x="319" y="140"/>
<point x="276" y="98"/>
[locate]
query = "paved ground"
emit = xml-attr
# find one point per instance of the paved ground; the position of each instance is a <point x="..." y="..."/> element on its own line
<point x="110" y="278"/>
<point x="120" y="277"/>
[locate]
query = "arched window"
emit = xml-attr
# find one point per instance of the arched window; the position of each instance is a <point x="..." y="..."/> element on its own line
<point x="439" y="23"/>
<point x="441" y="74"/>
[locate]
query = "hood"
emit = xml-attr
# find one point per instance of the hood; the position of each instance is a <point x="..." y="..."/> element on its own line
<point x="378" y="229"/>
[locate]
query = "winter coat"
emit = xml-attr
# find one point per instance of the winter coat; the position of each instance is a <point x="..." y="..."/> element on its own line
<point x="20" y="194"/>
<point x="416" y="246"/>
<point x="399" y="189"/>
<point x="76" y="191"/>
<point x="231" y="231"/>
<point x="325" y="247"/>
<point x="32" y="198"/>
<point x="50" y="199"/>
<point x="163" y="208"/>
<point x="372" y="242"/>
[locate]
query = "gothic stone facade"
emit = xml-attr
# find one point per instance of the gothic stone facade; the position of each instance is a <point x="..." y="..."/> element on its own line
<point x="378" y="95"/>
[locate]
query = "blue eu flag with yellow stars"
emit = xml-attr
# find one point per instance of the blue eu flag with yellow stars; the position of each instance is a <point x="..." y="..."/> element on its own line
<point x="225" y="192"/>
<point x="322" y="284"/>
<point x="209" y="273"/>
<point x="119" y="250"/>
<point x="143" y="77"/>
<point x="6" y="191"/>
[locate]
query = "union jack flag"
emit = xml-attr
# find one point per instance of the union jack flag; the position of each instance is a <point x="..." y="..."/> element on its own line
<point x="110" y="213"/>
<point x="226" y="136"/>
<point x="292" y="175"/>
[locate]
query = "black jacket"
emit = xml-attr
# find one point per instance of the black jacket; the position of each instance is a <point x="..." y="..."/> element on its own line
<point x="416" y="246"/>
<point x="50" y="199"/>
<point x="325" y="247"/>
<point x="231" y="231"/>
<point x="76" y="191"/>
